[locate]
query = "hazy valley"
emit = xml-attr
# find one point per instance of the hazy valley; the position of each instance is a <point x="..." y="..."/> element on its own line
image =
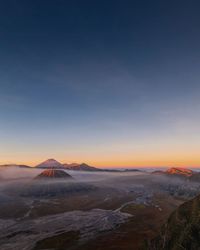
<point x="51" y="207"/>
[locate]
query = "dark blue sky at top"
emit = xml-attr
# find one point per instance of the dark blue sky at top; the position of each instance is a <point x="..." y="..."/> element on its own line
<point x="97" y="68"/>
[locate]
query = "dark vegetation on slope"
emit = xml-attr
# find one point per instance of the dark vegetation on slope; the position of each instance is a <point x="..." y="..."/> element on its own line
<point x="182" y="230"/>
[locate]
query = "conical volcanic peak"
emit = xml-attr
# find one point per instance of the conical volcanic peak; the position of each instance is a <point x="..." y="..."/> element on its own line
<point x="50" y="163"/>
<point x="53" y="174"/>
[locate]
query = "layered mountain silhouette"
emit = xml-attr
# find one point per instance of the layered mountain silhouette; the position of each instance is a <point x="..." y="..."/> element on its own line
<point x="14" y="165"/>
<point x="182" y="230"/>
<point x="53" y="164"/>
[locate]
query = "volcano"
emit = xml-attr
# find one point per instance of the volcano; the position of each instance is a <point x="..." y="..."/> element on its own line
<point x="49" y="174"/>
<point x="52" y="183"/>
<point x="50" y="163"/>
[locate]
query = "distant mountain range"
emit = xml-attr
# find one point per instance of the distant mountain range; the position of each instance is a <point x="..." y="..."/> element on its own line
<point x="51" y="163"/>
<point x="54" y="164"/>
<point x="14" y="165"/>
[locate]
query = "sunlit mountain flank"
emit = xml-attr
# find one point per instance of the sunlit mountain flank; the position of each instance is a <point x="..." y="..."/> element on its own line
<point x="180" y="171"/>
<point x="53" y="173"/>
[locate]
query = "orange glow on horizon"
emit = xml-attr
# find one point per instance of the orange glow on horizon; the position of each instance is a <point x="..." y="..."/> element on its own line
<point x="194" y="163"/>
<point x="155" y="156"/>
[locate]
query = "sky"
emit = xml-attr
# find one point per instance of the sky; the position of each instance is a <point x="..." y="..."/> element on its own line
<point x="111" y="83"/>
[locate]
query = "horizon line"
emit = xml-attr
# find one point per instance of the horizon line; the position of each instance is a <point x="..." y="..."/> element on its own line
<point x="112" y="167"/>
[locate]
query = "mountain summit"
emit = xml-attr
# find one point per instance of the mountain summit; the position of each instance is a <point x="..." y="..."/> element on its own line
<point x="50" y="163"/>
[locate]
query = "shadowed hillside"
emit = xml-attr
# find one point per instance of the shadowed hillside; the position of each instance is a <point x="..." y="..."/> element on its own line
<point x="182" y="230"/>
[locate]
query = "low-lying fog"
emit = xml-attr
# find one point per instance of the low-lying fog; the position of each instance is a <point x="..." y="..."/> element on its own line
<point x="20" y="173"/>
<point x="129" y="181"/>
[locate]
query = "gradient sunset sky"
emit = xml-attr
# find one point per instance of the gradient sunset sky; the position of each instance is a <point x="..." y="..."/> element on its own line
<point x="106" y="82"/>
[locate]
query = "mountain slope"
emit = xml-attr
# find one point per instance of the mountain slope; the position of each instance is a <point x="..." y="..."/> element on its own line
<point x="180" y="171"/>
<point x="80" y="167"/>
<point x="182" y="230"/>
<point x="176" y="172"/>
